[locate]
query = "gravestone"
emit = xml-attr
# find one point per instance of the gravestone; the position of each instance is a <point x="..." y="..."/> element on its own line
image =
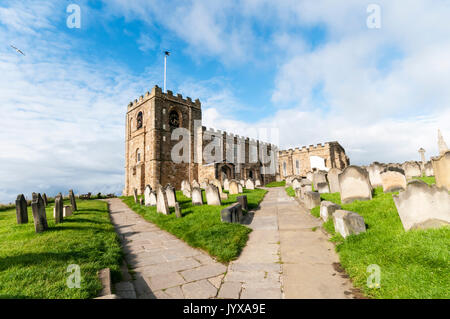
<point x="348" y="223"/>
<point x="233" y="187"/>
<point x="58" y="210"/>
<point x="249" y="184"/>
<point x="242" y="182"/>
<point x="195" y="184"/>
<point x="21" y="210"/>
<point x="153" y="199"/>
<point x="240" y="188"/>
<point x="257" y="183"/>
<point x="428" y="169"/>
<point x="232" y="214"/>
<point x="327" y="209"/>
<point x="305" y="188"/>
<point x="243" y="201"/>
<point x="296" y="183"/>
<point x="226" y="184"/>
<point x="135" y="195"/>
<point x="171" y="195"/>
<point x="44" y="198"/>
<point x="393" y="179"/>
<point x="178" y="210"/>
<point x="161" y="201"/>
<point x="354" y="184"/>
<point x="421" y="204"/>
<point x="374" y="171"/>
<point x="187" y="189"/>
<point x="319" y="177"/>
<point x="147" y="192"/>
<point x="204" y="183"/>
<point x="197" y="198"/>
<point x="311" y="199"/>
<point x="441" y="168"/>
<point x="412" y="169"/>
<point x="212" y="195"/>
<point x="218" y="184"/>
<point x="73" y="202"/>
<point x="333" y="179"/>
<point x="39" y="214"/>
<point x="323" y="188"/>
<point x="67" y="211"/>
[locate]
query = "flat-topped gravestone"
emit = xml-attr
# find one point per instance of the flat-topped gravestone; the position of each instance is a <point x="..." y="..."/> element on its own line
<point x="161" y="201"/>
<point x="374" y="171"/>
<point x="243" y="201"/>
<point x="226" y="184"/>
<point x="441" y="168"/>
<point x="21" y="210"/>
<point x="249" y="184"/>
<point x="135" y="195"/>
<point x="197" y="198"/>
<point x="67" y="211"/>
<point x="420" y="203"/>
<point x="233" y="187"/>
<point x="327" y="209"/>
<point x="58" y="210"/>
<point x="348" y="223"/>
<point x="354" y="184"/>
<point x="212" y="195"/>
<point x="44" y="198"/>
<point x="73" y="202"/>
<point x="323" y="188"/>
<point x="333" y="179"/>
<point x="39" y="214"/>
<point x="147" y="192"/>
<point x="393" y="179"/>
<point x="412" y="169"/>
<point x="311" y="199"/>
<point x="171" y="195"/>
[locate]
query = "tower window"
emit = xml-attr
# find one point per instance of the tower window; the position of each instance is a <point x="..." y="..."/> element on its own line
<point x="139" y="121"/>
<point x="174" y="120"/>
<point x="138" y="156"/>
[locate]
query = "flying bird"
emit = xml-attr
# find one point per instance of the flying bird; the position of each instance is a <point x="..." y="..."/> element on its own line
<point x="19" y="51"/>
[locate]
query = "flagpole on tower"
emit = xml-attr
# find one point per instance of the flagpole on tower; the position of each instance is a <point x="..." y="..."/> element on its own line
<point x="166" y="54"/>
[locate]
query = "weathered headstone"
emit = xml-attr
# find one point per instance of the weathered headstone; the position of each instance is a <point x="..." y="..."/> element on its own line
<point x="305" y="188"/>
<point x="178" y="210"/>
<point x="333" y="179"/>
<point x="232" y="214"/>
<point x="197" y="198"/>
<point x="153" y="199"/>
<point x="135" y="195"/>
<point x="233" y="187"/>
<point x="44" y="198"/>
<point x="73" y="202"/>
<point x="218" y="184"/>
<point x="212" y="195"/>
<point x="374" y="171"/>
<point x="242" y="182"/>
<point x="421" y="203"/>
<point x="249" y="184"/>
<point x="319" y="177"/>
<point x="21" y="210"/>
<point x="412" y="169"/>
<point x="240" y="188"/>
<point x="296" y="183"/>
<point x="58" y="210"/>
<point x="226" y="184"/>
<point x="147" y="192"/>
<point x="311" y="199"/>
<point x="257" y="183"/>
<point x="243" y="201"/>
<point x="39" y="214"/>
<point x="393" y="179"/>
<point x="441" y="168"/>
<point x="323" y="188"/>
<point x="67" y="211"/>
<point x="171" y="195"/>
<point x="348" y="223"/>
<point x="327" y="209"/>
<point x="354" y="184"/>
<point x="161" y="201"/>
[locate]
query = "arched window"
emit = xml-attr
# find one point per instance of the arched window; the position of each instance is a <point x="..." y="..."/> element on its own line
<point x="139" y="121"/>
<point x="174" y="119"/>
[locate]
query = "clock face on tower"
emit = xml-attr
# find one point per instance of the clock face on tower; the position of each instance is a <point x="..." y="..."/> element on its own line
<point x="174" y="120"/>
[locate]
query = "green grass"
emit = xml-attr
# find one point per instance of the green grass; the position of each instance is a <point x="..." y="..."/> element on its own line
<point x="427" y="179"/>
<point x="35" y="265"/>
<point x="276" y="184"/>
<point x="414" y="264"/>
<point x="201" y="226"/>
<point x="290" y="191"/>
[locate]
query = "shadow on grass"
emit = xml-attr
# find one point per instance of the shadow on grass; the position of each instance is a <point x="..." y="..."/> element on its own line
<point x="29" y="259"/>
<point x="84" y="220"/>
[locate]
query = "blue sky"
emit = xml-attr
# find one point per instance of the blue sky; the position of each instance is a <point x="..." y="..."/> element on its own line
<point x="312" y="70"/>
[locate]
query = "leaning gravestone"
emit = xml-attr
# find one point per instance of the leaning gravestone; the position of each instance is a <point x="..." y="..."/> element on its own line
<point x="233" y="187"/>
<point x="374" y="171"/>
<point x="348" y="223"/>
<point x="147" y="192"/>
<point x="58" y="210"/>
<point x="161" y="201"/>
<point x="171" y="196"/>
<point x="421" y="205"/>
<point x="354" y="184"/>
<point x="226" y="184"/>
<point x="243" y="201"/>
<point x="21" y="210"/>
<point x="412" y="169"/>
<point x="72" y="201"/>
<point x="327" y="209"/>
<point x="39" y="214"/>
<point x="178" y="210"/>
<point x="212" y="195"/>
<point x="441" y="168"/>
<point x="393" y="179"/>
<point x="44" y="197"/>
<point x="197" y="198"/>
<point x="249" y="184"/>
<point x="135" y="195"/>
<point x="333" y="179"/>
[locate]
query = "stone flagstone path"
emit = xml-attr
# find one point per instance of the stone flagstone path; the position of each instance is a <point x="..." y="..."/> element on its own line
<point x="283" y="258"/>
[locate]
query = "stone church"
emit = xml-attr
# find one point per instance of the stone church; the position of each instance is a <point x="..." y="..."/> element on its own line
<point x="162" y="127"/>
